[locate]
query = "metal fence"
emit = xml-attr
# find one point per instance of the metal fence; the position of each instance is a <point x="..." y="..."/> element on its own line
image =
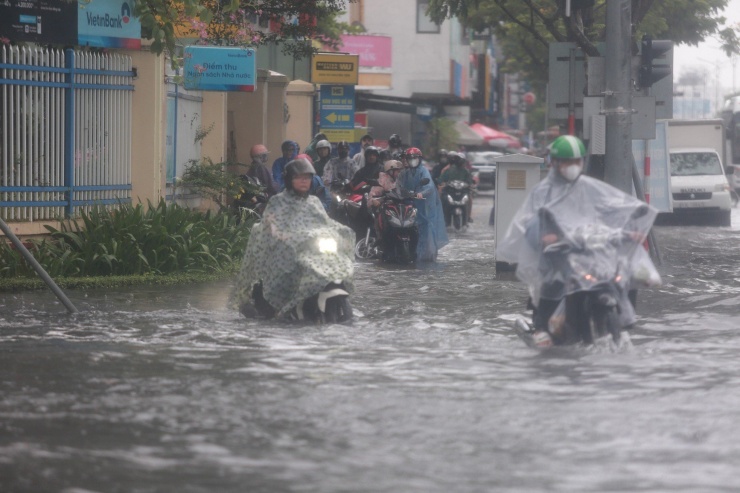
<point x="65" y="131"/>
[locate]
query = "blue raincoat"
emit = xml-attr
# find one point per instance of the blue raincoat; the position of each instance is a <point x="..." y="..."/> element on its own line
<point x="279" y="165"/>
<point x="432" y="230"/>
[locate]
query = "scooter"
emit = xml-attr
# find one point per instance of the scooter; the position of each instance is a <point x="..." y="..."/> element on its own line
<point x="456" y="195"/>
<point x="351" y="206"/>
<point x="330" y="305"/>
<point x="252" y="201"/>
<point x="593" y="265"/>
<point x="396" y="226"/>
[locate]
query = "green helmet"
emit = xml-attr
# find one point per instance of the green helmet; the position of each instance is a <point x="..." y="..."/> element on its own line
<point x="567" y="147"/>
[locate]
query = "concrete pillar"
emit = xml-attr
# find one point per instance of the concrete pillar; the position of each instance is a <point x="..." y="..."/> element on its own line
<point x="149" y="123"/>
<point x="299" y="98"/>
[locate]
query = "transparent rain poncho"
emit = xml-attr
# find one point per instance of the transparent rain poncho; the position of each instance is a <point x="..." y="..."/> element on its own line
<point x="295" y="251"/>
<point x="600" y="232"/>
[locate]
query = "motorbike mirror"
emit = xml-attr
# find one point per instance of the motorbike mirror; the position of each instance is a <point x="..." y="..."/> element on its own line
<point x="424" y="181"/>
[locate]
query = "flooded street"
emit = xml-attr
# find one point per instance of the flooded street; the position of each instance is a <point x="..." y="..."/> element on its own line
<point x="167" y="390"/>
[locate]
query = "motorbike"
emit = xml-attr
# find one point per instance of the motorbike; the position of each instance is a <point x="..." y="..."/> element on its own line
<point x="395" y="234"/>
<point x="350" y="205"/>
<point x="252" y="201"/>
<point x="456" y="195"/>
<point x="329" y="305"/>
<point x="595" y="271"/>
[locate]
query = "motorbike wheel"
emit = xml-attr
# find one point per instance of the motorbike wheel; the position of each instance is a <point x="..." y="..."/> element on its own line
<point x="338" y="310"/>
<point x="457" y="221"/>
<point x="403" y="252"/>
<point x="365" y="250"/>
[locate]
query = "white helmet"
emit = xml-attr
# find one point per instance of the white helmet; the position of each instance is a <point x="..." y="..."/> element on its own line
<point x="323" y="143"/>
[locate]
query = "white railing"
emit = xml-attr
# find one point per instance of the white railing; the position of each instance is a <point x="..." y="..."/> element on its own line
<point x="47" y="171"/>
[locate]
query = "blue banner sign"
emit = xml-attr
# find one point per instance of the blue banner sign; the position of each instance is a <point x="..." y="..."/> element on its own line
<point x="337" y="106"/>
<point x="108" y="24"/>
<point x="215" y="68"/>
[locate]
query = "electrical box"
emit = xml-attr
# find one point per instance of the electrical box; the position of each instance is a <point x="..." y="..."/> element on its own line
<point x="516" y="176"/>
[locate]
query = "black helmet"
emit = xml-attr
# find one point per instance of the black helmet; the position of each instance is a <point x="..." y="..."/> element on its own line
<point x="343" y="144"/>
<point x="394" y="140"/>
<point x="294" y="168"/>
<point x="442" y="152"/>
<point x="371" y="150"/>
<point x="287" y="144"/>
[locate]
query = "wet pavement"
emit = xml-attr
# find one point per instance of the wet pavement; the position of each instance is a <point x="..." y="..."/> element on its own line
<point x="165" y="389"/>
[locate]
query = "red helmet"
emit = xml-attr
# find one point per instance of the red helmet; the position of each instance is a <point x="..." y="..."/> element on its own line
<point x="413" y="156"/>
<point x="258" y="149"/>
<point x="306" y="157"/>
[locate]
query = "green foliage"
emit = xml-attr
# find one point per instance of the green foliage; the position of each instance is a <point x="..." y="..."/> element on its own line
<point x="525" y="29"/>
<point x="213" y="181"/>
<point x="134" y="240"/>
<point x="230" y="23"/>
<point x="441" y="134"/>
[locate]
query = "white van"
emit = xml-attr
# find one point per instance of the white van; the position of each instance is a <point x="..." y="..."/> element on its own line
<point x="699" y="185"/>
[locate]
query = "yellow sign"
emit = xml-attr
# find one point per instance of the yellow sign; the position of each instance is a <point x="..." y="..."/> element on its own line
<point x="329" y="68"/>
<point x="349" y="134"/>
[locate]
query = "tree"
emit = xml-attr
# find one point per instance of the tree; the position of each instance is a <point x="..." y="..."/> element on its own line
<point x="248" y="23"/>
<point x="525" y="28"/>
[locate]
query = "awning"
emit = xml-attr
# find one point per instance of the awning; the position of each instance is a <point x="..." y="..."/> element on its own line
<point x="467" y="136"/>
<point x="495" y="138"/>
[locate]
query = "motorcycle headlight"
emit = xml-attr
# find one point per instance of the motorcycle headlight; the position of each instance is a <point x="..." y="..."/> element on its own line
<point x="328" y="245"/>
<point x="450" y="199"/>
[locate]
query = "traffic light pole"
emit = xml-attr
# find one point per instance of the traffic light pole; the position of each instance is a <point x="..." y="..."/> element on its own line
<point x="618" y="95"/>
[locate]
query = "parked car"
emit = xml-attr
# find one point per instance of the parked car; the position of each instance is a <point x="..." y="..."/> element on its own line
<point x="483" y="163"/>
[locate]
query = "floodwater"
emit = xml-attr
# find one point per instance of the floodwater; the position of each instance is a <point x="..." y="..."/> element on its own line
<point x="167" y="390"/>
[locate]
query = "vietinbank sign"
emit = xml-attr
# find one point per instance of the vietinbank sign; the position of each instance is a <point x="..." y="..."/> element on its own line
<point x="108" y="23"/>
<point x="98" y="23"/>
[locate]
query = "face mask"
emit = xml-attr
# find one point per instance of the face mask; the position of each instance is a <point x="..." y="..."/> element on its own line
<point x="572" y="172"/>
<point x="262" y="159"/>
<point x="414" y="162"/>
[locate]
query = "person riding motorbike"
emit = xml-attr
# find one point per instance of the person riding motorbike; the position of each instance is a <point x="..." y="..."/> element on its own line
<point x="341" y="167"/>
<point x="395" y="147"/>
<point x="442" y="162"/>
<point x="386" y="182"/>
<point x="289" y="149"/>
<point x="311" y="147"/>
<point x="458" y="171"/>
<point x="323" y="150"/>
<point x="432" y="230"/>
<point x="318" y="189"/>
<point x="359" y="158"/>
<point x="258" y="169"/>
<point x="560" y="210"/>
<point x="295" y="252"/>
<point x="370" y="170"/>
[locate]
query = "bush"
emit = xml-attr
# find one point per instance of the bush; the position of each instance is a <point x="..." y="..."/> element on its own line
<point x="134" y="240"/>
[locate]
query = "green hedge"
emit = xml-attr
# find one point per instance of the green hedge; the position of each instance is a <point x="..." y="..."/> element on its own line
<point x="137" y="241"/>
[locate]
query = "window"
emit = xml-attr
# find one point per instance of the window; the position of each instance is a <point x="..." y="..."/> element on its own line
<point x="423" y="23"/>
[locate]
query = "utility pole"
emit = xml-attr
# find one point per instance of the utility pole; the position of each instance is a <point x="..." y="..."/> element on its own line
<point x="618" y="95"/>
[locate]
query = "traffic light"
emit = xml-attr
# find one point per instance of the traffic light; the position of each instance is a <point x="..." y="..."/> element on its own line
<point x="652" y="70"/>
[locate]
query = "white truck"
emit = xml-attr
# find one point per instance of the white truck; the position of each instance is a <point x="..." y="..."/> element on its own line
<point x="699" y="185"/>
